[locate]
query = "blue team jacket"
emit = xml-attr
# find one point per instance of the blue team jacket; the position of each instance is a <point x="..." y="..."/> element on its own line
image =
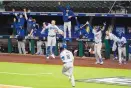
<point x="21" y="33"/>
<point x="21" y="21"/>
<point x="65" y="14"/>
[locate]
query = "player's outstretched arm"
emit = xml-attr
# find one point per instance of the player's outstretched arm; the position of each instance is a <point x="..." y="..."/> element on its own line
<point x="103" y="28"/>
<point x="59" y="31"/>
<point x="25" y="14"/>
<point x="44" y="28"/>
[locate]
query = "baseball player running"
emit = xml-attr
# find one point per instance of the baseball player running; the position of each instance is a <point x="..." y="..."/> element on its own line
<point x="67" y="59"/>
<point x="51" y="39"/>
<point x="97" y="31"/>
<point x="67" y="16"/>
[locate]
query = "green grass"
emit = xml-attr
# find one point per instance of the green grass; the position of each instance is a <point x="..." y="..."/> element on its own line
<point x="56" y="79"/>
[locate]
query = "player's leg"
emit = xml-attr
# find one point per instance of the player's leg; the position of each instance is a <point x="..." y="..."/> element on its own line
<point x="72" y="79"/>
<point x="23" y="47"/>
<point x="99" y="46"/>
<point x="65" y="28"/>
<point x="48" y="47"/>
<point x="124" y="54"/>
<point x="39" y="50"/>
<point x="96" y="55"/>
<point x="65" y="70"/>
<point x="120" y="56"/>
<point x="114" y="49"/>
<point x="19" y="47"/>
<point x="53" y="46"/>
<point x="69" y="28"/>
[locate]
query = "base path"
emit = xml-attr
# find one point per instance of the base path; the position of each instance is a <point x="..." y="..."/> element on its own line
<point x="79" y="61"/>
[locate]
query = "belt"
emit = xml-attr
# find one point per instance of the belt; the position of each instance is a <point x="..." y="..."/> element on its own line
<point x="97" y="42"/>
<point x="52" y="35"/>
<point x="66" y="62"/>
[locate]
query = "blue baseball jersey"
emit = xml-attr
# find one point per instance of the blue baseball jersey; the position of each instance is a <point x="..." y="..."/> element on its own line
<point x="21" y="21"/>
<point x="21" y="33"/>
<point x="29" y="25"/>
<point x="65" y="14"/>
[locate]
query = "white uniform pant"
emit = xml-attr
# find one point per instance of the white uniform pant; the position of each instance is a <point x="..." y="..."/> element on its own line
<point x="21" y="47"/>
<point x="68" y="71"/>
<point x="97" y="51"/>
<point x="51" y="41"/>
<point x="121" y="53"/>
<point x="114" y="47"/>
<point x="67" y="25"/>
<point x="39" y="48"/>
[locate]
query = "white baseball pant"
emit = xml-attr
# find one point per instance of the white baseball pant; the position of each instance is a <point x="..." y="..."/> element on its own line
<point x="51" y="41"/>
<point x="97" y="51"/>
<point x="21" y="45"/>
<point x="67" y="25"/>
<point x="39" y="48"/>
<point x="67" y="70"/>
<point x="114" y="47"/>
<point x="121" y="53"/>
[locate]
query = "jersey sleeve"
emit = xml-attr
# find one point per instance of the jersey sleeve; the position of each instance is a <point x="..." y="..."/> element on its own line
<point x="124" y="40"/>
<point x="59" y="30"/>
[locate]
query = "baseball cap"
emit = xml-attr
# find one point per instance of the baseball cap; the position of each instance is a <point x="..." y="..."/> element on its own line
<point x="67" y="7"/>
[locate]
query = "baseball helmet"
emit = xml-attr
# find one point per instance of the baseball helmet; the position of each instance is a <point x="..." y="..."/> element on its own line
<point x="64" y="46"/>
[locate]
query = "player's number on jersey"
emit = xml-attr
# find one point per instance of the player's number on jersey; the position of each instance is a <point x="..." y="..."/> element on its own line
<point x="68" y="56"/>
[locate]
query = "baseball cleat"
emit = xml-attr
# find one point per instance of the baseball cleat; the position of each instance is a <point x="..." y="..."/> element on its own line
<point x="97" y="62"/>
<point x="53" y="56"/>
<point x="120" y="63"/>
<point x="47" y="58"/>
<point x="101" y="63"/>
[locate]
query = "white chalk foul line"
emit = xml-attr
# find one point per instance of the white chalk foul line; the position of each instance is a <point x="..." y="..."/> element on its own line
<point x="12" y="86"/>
<point x="13" y="73"/>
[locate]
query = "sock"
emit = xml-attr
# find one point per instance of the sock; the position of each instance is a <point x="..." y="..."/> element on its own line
<point x="48" y="51"/>
<point x="53" y="49"/>
<point x="114" y="53"/>
<point x="100" y="60"/>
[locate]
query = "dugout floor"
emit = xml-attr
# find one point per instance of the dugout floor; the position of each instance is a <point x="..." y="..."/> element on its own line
<point x="79" y="61"/>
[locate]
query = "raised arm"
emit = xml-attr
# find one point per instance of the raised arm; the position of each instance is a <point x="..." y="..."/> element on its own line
<point x="44" y="28"/>
<point x="16" y="14"/>
<point x="103" y="28"/>
<point x="60" y="7"/>
<point x="25" y="14"/>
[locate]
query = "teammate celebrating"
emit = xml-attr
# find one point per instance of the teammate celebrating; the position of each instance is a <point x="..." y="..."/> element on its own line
<point x="29" y="22"/>
<point x="97" y="31"/>
<point x="122" y="49"/>
<point x="67" y="16"/>
<point x="20" y="18"/>
<point x="67" y="59"/>
<point x="51" y="39"/>
<point x="21" y="43"/>
<point x="121" y="40"/>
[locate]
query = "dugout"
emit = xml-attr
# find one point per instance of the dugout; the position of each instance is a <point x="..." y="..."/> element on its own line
<point x="95" y="19"/>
